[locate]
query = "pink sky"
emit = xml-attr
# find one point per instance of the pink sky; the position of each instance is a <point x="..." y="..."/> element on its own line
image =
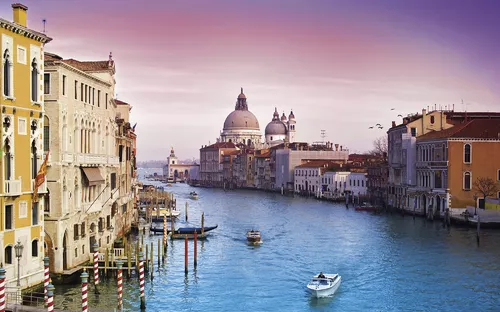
<point x="340" y="68"/>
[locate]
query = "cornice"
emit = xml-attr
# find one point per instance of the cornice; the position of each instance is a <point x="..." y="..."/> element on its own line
<point x="75" y="70"/>
<point x="24" y="31"/>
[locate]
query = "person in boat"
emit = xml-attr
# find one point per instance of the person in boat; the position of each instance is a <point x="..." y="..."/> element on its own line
<point x="321" y="275"/>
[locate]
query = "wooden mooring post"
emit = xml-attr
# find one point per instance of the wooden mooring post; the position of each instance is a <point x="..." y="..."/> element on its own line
<point x="129" y="260"/>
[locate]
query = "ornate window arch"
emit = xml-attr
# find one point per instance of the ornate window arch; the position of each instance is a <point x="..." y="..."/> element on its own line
<point x="7" y="76"/>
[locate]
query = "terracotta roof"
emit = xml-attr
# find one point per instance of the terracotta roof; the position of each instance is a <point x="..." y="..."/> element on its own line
<point x="221" y="145"/>
<point x="51" y="57"/>
<point x="473" y="129"/>
<point x="319" y="164"/>
<point x="91" y="66"/>
<point x="118" y="102"/>
<point x="263" y="155"/>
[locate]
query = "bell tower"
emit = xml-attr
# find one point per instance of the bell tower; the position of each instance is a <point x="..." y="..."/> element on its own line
<point x="291" y="127"/>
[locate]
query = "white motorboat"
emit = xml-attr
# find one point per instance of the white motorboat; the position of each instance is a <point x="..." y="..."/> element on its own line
<point x="166" y="212"/>
<point x="193" y="195"/>
<point x="253" y="236"/>
<point x="324" y="285"/>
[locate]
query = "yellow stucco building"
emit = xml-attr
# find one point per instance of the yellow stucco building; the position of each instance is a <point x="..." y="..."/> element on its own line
<point x="22" y="150"/>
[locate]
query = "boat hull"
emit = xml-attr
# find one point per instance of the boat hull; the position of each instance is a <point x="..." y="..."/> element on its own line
<point x="365" y="209"/>
<point x="185" y="231"/>
<point x="321" y="292"/>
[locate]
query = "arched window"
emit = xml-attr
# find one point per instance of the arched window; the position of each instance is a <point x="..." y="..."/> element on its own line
<point x="34" y="248"/>
<point x="467" y="181"/>
<point x="467" y="153"/>
<point x="34" y="81"/>
<point x="7" y="162"/>
<point x="34" y="161"/>
<point x="6" y="73"/>
<point x="46" y="134"/>
<point x="8" y="255"/>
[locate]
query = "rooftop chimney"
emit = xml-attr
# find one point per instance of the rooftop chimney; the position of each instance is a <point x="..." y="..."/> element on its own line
<point x="393" y="123"/>
<point x="336" y="147"/>
<point x="20" y="13"/>
<point x="423" y="112"/>
<point x="340" y="147"/>
<point x="405" y="121"/>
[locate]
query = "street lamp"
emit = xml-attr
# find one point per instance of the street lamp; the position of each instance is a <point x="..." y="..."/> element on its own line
<point x="475" y="202"/>
<point x="19" y="253"/>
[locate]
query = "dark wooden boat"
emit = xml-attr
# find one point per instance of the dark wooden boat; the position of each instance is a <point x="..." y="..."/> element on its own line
<point x="185" y="231"/>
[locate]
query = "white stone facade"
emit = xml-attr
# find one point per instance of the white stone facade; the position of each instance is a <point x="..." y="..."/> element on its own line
<point x="81" y="127"/>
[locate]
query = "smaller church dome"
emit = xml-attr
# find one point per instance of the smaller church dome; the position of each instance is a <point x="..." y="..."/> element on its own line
<point x="275" y="127"/>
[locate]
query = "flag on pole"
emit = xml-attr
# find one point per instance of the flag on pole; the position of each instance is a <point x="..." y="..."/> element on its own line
<point x="40" y="177"/>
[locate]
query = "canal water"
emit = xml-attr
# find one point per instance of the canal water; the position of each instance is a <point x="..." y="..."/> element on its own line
<point x="387" y="262"/>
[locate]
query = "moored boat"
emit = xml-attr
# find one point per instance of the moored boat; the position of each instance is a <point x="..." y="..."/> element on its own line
<point x="324" y="285"/>
<point x="185" y="230"/>
<point x="253" y="236"/>
<point x="365" y="207"/>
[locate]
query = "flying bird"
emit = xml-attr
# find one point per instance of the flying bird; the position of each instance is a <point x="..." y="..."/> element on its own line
<point x="370" y="127"/>
<point x="400" y="115"/>
<point x="378" y="125"/>
<point x="392" y="108"/>
<point x="381" y="127"/>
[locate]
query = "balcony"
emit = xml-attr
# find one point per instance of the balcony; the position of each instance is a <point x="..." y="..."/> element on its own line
<point x="113" y="160"/>
<point x="67" y="157"/>
<point x="42" y="189"/>
<point x="12" y="187"/>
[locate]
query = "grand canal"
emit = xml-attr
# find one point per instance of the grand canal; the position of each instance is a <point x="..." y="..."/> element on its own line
<point x="387" y="262"/>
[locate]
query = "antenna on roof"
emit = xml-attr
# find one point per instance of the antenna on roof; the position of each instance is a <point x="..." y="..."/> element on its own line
<point x="44" y="21"/>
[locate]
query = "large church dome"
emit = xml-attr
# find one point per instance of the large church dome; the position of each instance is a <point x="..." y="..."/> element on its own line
<point x="241" y="119"/>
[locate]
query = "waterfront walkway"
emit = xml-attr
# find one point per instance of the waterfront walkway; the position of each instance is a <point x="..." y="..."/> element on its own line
<point x="24" y="308"/>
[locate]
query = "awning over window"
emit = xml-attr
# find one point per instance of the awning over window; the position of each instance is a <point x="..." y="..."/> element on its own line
<point x="93" y="175"/>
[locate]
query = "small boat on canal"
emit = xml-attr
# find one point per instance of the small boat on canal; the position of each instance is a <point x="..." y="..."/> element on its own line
<point x="186" y="230"/>
<point x="193" y="195"/>
<point x="324" y="285"/>
<point x="365" y="207"/>
<point x="253" y="236"/>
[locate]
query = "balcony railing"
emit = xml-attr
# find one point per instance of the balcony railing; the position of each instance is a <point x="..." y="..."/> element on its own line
<point x="12" y="187"/>
<point x="67" y="158"/>
<point x="42" y="189"/>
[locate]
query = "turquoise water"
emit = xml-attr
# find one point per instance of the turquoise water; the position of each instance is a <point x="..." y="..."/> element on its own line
<point x="387" y="262"/>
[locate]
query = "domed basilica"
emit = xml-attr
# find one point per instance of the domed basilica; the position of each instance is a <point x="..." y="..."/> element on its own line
<point x="241" y="126"/>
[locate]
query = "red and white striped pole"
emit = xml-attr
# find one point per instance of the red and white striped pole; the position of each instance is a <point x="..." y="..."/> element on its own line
<point x="50" y="298"/>
<point x="119" y="264"/>
<point x="2" y="289"/>
<point x="165" y="230"/>
<point x="96" y="267"/>
<point x="85" y="282"/>
<point x="46" y="276"/>
<point x="141" y="280"/>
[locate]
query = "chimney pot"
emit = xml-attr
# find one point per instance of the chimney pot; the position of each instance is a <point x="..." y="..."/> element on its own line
<point x="20" y="13"/>
<point x="393" y="123"/>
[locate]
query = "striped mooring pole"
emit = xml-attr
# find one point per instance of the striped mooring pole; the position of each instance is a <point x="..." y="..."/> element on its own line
<point x="46" y="276"/>
<point x="2" y="289"/>
<point x="141" y="280"/>
<point x="96" y="267"/>
<point x="119" y="264"/>
<point x="50" y="298"/>
<point x="85" y="281"/>
<point x="164" y="233"/>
